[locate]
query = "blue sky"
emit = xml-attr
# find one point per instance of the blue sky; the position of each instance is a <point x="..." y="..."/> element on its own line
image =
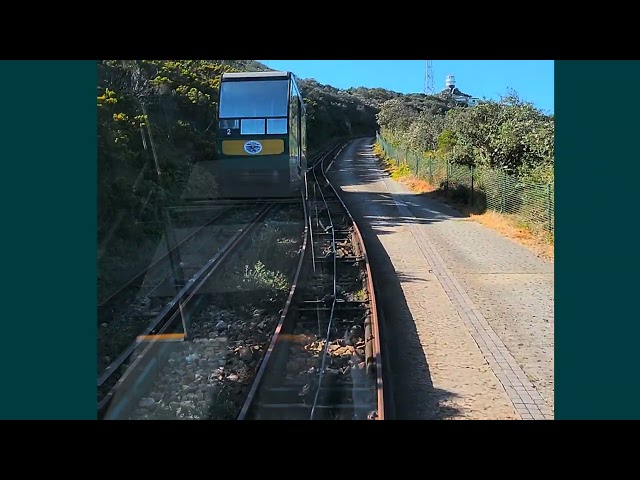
<point x="531" y="79"/>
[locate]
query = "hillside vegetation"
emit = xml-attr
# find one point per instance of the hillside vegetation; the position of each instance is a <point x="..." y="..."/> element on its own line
<point x="510" y="134"/>
<point x="493" y="161"/>
<point x="157" y="118"/>
<point x="156" y="123"/>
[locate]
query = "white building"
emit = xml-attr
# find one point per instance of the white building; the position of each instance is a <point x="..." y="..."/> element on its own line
<point x="451" y="90"/>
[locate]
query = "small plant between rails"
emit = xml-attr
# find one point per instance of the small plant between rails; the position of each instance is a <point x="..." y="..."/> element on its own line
<point x="324" y="361"/>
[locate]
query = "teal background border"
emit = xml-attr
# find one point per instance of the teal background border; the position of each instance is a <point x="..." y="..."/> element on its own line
<point x="596" y="240"/>
<point x="48" y="195"/>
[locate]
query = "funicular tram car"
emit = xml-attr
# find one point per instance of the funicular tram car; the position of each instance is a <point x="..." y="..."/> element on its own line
<point x="261" y="142"/>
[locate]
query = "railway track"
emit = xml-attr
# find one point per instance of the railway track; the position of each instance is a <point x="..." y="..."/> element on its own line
<point x="125" y="377"/>
<point x="184" y="247"/>
<point x="317" y="358"/>
<point x="324" y="359"/>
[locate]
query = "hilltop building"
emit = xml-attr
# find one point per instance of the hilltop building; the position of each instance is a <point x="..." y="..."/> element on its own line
<point x="451" y="90"/>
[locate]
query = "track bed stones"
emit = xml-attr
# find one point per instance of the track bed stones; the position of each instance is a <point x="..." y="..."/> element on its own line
<point x="207" y="377"/>
<point x="241" y="317"/>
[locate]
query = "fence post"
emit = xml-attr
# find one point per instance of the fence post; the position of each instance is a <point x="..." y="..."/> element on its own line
<point x="471" y="185"/>
<point x="503" y="203"/>
<point x="446" y="178"/>
<point x="549" y="227"/>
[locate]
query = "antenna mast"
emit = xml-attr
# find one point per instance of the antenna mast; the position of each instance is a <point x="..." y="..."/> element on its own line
<point x="429" y="84"/>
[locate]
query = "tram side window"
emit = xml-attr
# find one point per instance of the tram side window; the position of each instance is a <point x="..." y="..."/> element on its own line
<point x="303" y="133"/>
<point x="293" y="127"/>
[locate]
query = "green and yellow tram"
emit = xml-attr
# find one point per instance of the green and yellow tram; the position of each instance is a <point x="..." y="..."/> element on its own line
<point x="262" y="138"/>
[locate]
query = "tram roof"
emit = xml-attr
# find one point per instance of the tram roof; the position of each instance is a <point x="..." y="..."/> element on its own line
<point x="254" y="75"/>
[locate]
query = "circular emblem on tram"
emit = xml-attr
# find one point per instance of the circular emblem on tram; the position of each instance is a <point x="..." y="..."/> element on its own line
<point x="252" y="147"/>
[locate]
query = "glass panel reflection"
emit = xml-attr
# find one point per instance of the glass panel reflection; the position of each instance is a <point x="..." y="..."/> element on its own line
<point x="265" y="98"/>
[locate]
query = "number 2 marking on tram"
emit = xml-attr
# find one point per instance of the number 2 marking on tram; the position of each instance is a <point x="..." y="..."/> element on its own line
<point x="228" y="131"/>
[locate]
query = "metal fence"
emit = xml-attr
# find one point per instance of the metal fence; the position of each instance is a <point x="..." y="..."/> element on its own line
<point x="531" y="203"/>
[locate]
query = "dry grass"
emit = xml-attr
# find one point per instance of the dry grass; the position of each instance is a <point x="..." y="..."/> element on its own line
<point x="511" y="228"/>
<point x="507" y="226"/>
<point x="419" y="185"/>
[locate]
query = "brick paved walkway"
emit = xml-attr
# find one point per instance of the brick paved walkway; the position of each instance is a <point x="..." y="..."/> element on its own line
<point x="356" y="171"/>
<point x="526" y="399"/>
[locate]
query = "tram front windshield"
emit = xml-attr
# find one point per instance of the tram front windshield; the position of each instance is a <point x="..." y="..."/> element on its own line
<point x="254" y="99"/>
